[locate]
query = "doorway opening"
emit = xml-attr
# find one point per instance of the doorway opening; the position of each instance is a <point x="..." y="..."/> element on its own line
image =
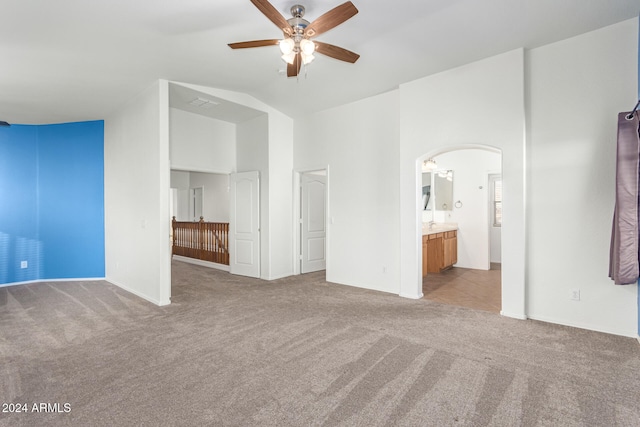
<point x="461" y="228"/>
<point x="199" y="212"/>
<point x="310" y="205"/>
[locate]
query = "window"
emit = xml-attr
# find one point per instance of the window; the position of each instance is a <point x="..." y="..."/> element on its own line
<point x="495" y="182"/>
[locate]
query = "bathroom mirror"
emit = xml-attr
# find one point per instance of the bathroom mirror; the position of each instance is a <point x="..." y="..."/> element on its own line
<point x="426" y="191"/>
<point x="443" y="190"/>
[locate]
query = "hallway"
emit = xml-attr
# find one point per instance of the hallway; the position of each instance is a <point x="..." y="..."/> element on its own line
<point x="477" y="289"/>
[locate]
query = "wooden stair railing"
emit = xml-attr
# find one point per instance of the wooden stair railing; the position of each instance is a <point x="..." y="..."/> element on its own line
<point x="207" y="241"/>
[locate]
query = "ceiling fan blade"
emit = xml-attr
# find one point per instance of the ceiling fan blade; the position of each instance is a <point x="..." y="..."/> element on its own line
<point x="333" y="18"/>
<point x="274" y="16"/>
<point x="336" y="52"/>
<point x="294" y="69"/>
<point x="253" y="43"/>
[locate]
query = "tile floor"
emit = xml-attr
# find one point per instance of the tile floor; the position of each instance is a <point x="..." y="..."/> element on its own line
<point x="478" y="289"/>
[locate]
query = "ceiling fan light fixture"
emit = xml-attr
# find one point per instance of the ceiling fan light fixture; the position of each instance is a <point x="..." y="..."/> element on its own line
<point x="306" y="59"/>
<point x="307" y="47"/>
<point x="297" y="48"/>
<point x="289" y="57"/>
<point x="286" y="46"/>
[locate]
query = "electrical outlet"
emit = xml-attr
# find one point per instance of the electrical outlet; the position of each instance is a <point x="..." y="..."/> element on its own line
<point x="575" y="294"/>
<point x="24" y="264"/>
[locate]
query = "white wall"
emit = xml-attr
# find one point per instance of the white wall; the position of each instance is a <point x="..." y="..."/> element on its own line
<point x="358" y="143"/>
<point x="203" y="150"/>
<point x="470" y="186"/>
<point x="280" y="196"/>
<point x="215" y="195"/>
<point x="180" y="179"/>
<point x="575" y="90"/>
<point x="477" y="104"/>
<point x="136" y="146"/>
<point x="180" y="202"/>
<point x="200" y="143"/>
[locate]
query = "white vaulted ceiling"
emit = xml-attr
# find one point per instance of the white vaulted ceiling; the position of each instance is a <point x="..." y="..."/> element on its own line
<point x="74" y="60"/>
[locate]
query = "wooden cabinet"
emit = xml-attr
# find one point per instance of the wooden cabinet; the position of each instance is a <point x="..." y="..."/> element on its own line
<point x="434" y="253"/>
<point x="450" y="242"/>
<point x="439" y="251"/>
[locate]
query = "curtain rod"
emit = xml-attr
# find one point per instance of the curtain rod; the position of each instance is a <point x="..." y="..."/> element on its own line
<point x="630" y="115"/>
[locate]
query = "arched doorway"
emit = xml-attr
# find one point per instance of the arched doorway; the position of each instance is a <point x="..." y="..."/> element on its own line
<point x="461" y="227"/>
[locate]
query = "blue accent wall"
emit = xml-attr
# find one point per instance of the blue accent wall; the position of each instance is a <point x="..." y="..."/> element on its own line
<point x="52" y="201"/>
<point x="18" y="197"/>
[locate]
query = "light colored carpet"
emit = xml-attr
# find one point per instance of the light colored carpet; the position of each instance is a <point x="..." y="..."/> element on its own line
<point x="298" y="352"/>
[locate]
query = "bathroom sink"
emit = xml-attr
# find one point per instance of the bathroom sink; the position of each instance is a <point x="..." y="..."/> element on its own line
<point x="438" y="227"/>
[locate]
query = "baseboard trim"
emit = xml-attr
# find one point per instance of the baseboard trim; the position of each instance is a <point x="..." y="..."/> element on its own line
<point x="138" y="294"/>
<point x="280" y="276"/>
<point x="29" y="282"/>
<point x="411" y="296"/>
<point x="633" y="334"/>
<point x="513" y="315"/>
<point x="201" y="262"/>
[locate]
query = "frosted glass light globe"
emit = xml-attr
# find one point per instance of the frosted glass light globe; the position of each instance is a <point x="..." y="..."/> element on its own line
<point x="286" y="46"/>
<point x="307" y="46"/>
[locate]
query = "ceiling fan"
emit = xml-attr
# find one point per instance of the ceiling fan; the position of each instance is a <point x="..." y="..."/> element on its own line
<point x="297" y="47"/>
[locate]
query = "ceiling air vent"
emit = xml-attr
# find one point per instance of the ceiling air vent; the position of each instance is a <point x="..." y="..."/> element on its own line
<point x="202" y="103"/>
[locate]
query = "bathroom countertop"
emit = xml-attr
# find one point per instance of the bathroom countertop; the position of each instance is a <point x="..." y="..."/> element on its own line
<point x="438" y="227"/>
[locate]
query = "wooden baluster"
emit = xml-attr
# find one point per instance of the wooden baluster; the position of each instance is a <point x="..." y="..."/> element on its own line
<point x="217" y="246"/>
<point x="216" y="242"/>
<point x="226" y="244"/>
<point x="194" y="240"/>
<point x="201" y="237"/>
<point x="208" y="247"/>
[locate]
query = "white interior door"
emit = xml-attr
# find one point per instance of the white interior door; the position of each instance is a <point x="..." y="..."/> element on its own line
<point x="195" y="205"/>
<point x="313" y="223"/>
<point x="244" y="224"/>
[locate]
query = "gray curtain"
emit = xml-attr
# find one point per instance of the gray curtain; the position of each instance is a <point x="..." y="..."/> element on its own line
<point x="623" y="260"/>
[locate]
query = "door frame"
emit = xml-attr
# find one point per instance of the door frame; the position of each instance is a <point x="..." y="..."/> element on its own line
<point x="493" y="176"/>
<point x="513" y="288"/>
<point x="297" y="235"/>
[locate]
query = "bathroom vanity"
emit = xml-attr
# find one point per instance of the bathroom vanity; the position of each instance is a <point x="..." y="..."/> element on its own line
<point x="439" y="247"/>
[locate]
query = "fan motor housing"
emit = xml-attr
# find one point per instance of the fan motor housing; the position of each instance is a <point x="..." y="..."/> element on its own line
<point x="297" y="10"/>
<point x="297" y="23"/>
